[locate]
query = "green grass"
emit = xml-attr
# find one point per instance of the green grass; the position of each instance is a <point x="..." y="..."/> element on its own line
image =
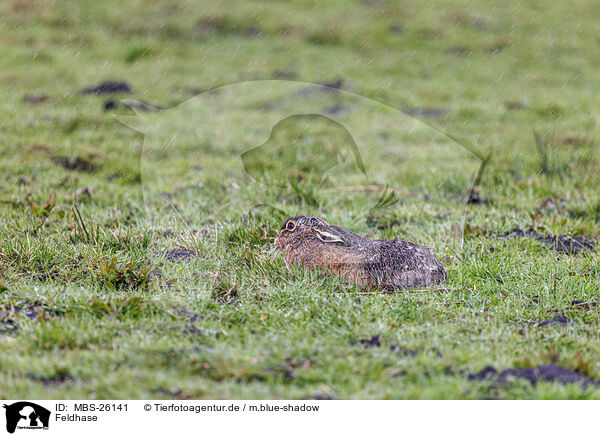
<point x="90" y="305"/>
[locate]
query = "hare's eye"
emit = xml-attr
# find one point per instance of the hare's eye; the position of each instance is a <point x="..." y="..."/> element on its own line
<point x="290" y="225"/>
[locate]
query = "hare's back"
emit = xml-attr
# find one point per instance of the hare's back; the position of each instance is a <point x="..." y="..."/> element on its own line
<point x="402" y="264"/>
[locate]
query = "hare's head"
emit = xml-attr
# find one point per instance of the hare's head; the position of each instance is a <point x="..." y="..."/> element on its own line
<point x="296" y="230"/>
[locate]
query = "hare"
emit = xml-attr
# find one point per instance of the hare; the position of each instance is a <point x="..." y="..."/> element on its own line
<point x="385" y="264"/>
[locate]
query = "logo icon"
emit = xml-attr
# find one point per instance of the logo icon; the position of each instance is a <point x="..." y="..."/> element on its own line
<point x="26" y="415"/>
<point x="294" y="148"/>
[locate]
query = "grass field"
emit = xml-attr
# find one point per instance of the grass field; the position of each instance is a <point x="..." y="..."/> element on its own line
<point x="128" y="269"/>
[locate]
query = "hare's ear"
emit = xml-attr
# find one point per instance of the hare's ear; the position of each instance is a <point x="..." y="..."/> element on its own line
<point x="329" y="237"/>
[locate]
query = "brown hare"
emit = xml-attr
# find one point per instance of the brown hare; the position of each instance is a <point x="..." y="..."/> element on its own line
<point x="385" y="264"/>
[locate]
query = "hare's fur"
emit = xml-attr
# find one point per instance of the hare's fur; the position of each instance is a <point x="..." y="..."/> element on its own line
<point x="385" y="264"/>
